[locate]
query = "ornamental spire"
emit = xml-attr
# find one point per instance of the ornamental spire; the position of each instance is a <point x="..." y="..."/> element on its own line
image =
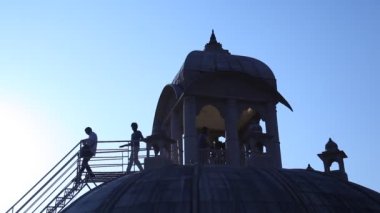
<point x="213" y="45"/>
<point x="212" y="37"/>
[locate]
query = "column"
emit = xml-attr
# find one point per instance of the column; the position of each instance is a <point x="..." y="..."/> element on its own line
<point x="272" y="130"/>
<point x="341" y="165"/>
<point x="326" y="165"/>
<point x="190" y="131"/>
<point x="232" y="138"/>
<point x="176" y="135"/>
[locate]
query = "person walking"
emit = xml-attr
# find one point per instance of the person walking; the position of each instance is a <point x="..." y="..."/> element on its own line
<point x="87" y="151"/>
<point x="136" y="137"/>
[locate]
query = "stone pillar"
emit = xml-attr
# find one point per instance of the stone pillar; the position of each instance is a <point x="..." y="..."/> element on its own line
<point x="190" y="131"/>
<point x="272" y="130"/>
<point x="175" y="133"/>
<point x="232" y="139"/>
<point x="326" y="165"/>
<point x="341" y="165"/>
<point x="180" y="150"/>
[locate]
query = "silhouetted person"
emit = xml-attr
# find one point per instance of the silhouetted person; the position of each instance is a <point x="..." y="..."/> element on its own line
<point x="203" y="138"/>
<point x="217" y="152"/>
<point x="204" y="145"/>
<point x="253" y="136"/>
<point x="136" y="137"/>
<point x="88" y="150"/>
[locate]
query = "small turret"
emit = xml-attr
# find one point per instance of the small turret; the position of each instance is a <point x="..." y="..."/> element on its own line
<point x="331" y="155"/>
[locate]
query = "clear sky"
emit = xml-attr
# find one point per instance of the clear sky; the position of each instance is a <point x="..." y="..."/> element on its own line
<point x="65" y="65"/>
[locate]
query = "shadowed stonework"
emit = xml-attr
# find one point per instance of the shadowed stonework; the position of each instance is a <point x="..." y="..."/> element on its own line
<point x="224" y="189"/>
<point x="218" y="95"/>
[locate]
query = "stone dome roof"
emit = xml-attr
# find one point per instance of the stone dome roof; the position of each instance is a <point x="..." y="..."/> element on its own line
<point x="331" y="146"/>
<point x="224" y="189"/>
<point x="216" y="59"/>
<point x="211" y="61"/>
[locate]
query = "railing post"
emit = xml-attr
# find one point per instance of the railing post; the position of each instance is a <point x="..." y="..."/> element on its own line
<point x="147" y="150"/>
<point x="78" y="162"/>
<point x="122" y="161"/>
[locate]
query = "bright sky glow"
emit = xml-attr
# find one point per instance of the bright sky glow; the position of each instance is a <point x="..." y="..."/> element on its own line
<point x="65" y="65"/>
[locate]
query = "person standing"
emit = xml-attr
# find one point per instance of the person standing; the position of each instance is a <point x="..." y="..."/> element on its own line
<point x="136" y="137"/>
<point x="252" y="137"/>
<point x="203" y="138"/>
<point x="88" y="150"/>
<point x="204" y="146"/>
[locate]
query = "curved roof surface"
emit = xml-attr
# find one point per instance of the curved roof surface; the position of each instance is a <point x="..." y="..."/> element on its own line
<point x="214" y="58"/>
<point x="223" y="189"/>
<point x="210" y="61"/>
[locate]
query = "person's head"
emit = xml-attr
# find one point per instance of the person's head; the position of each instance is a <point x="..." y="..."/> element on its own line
<point x="88" y="130"/>
<point x="134" y="126"/>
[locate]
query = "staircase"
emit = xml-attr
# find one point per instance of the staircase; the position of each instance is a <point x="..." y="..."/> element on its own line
<point x="59" y="187"/>
<point x="68" y="194"/>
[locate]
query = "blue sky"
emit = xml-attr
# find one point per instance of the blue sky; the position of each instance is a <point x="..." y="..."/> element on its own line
<point x="66" y="65"/>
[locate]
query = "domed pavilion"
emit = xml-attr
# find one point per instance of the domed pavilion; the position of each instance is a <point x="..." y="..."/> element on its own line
<point x="224" y="155"/>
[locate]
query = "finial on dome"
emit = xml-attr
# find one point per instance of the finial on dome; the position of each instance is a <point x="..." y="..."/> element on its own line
<point x="212" y="37"/>
<point x="331" y="146"/>
<point x="309" y="168"/>
<point x="213" y="45"/>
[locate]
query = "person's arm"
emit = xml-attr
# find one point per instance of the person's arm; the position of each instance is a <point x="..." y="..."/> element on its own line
<point x="142" y="137"/>
<point x="84" y="142"/>
<point x="128" y="144"/>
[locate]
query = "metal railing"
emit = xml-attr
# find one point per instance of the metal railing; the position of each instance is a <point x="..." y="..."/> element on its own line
<point x="58" y="187"/>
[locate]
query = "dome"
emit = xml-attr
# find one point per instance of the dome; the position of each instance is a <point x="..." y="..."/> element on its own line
<point x="226" y="189"/>
<point x="215" y="65"/>
<point x="216" y="59"/>
<point x="211" y="61"/>
<point x="331" y="146"/>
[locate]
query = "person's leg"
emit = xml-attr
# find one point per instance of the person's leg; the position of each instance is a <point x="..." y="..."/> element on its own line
<point x="88" y="168"/>
<point x="138" y="164"/>
<point x="130" y="161"/>
<point x="136" y="158"/>
<point x="82" y="168"/>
